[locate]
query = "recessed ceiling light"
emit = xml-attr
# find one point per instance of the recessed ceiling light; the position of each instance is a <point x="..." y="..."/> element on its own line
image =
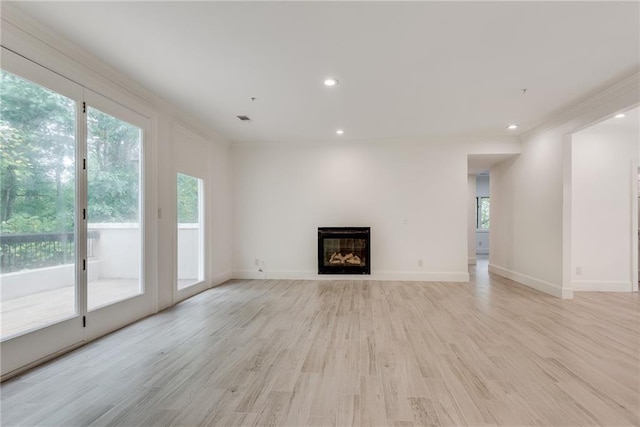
<point x="619" y="116"/>
<point x="339" y="131"/>
<point x="331" y="82"/>
<point x="512" y="127"/>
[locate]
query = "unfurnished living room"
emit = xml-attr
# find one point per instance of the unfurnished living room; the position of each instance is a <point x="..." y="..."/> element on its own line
<point x="319" y="213"/>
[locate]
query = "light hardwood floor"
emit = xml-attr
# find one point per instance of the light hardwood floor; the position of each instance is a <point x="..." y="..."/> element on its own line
<point x="489" y="352"/>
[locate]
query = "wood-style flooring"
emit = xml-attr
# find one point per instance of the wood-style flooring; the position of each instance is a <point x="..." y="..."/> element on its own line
<point x="348" y="353"/>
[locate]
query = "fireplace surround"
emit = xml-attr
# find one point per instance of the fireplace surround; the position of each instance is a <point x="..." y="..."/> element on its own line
<point x="344" y="250"/>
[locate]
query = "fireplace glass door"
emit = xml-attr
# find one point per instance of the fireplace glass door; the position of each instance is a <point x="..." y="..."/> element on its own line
<point x="344" y="250"/>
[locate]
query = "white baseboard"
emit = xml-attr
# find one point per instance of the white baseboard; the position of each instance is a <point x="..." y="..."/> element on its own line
<point x="471" y="260"/>
<point x="219" y="279"/>
<point x="532" y="282"/>
<point x="414" y="276"/>
<point x="598" y="286"/>
<point x="249" y="274"/>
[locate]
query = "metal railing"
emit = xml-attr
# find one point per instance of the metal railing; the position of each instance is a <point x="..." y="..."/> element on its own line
<point x="38" y="250"/>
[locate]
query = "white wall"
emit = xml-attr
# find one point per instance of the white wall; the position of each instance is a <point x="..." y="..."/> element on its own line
<point x="188" y="257"/>
<point x="482" y="236"/>
<point x="118" y="249"/>
<point x="602" y="192"/>
<point x="526" y="209"/>
<point x="412" y="195"/>
<point x="530" y="196"/>
<point x="471" y="219"/>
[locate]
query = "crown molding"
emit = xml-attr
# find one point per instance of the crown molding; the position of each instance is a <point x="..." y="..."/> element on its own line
<point x="28" y="37"/>
<point x="624" y="87"/>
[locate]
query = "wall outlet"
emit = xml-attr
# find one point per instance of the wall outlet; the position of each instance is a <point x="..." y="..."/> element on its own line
<point x="419" y="263"/>
<point x="256" y="262"/>
<point x="578" y="271"/>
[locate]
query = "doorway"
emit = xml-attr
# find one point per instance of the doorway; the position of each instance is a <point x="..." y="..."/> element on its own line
<point x="602" y="205"/>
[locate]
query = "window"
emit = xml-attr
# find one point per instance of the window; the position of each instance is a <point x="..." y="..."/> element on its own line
<point x="482" y="213"/>
<point x="190" y="231"/>
<point x="113" y="192"/>
<point x="38" y="229"/>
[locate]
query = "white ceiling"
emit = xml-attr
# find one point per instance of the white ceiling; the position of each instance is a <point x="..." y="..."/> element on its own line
<point x="406" y="70"/>
<point x="481" y="163"/>
<point x="630" y="123"/>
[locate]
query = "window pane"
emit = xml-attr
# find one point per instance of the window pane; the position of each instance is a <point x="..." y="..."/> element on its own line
<point x="114" y="238"/>
<point x="190" y="240"/>
<point x="484" y="212"/>
<point x="37" y="238"/>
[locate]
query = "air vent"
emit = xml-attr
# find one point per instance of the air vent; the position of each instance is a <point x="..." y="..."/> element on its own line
<point x="244" y="118"/>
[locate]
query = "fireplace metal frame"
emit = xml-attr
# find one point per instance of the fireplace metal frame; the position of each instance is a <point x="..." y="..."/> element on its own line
<point x="344" y="233"/>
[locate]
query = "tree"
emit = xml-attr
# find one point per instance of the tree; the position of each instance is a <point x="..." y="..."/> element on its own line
<point x="113" y="168"/>
<point x="37" y="167"/>
<point x="37" y="143"/>
<point x="187" y="199"/>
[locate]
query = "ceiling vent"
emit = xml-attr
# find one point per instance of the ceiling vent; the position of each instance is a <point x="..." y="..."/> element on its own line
<point x="244" y="118"/>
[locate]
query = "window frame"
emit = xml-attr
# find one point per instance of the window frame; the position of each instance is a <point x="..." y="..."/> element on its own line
<point x="479" y="226"/>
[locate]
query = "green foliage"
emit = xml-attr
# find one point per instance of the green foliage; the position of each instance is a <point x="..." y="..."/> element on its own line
<point x="21" y="223"/>
<point x="37" y="142"/>
<point x="484" y="212"/>
<point x="113" y="169"/>
<point x="37" y="167"/>
<point x="37" y="163"/>
<point x="187" y="199"/>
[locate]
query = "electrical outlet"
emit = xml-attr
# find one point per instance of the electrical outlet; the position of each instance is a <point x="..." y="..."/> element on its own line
<point x="578" y="271"/>
<point x="419" y="263"/>
<point x="256" y="262"/>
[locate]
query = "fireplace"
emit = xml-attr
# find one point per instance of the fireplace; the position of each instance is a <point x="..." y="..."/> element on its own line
<point x="344" y="250"/>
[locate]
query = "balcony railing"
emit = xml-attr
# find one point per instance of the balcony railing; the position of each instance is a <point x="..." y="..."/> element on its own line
<point x="37" y="250"/>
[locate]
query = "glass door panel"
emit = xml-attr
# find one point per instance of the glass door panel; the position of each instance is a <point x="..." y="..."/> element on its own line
<point x="114" y="245"/>
<point x="38" y="181"/>
<point x="190" y="231"/>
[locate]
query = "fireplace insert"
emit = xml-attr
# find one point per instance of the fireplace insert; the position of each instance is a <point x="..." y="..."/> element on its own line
<point x="344" y="250"/>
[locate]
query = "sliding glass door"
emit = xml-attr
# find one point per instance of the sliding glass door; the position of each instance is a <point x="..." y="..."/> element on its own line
<point x="72" y="229"/>
<point x="113" y="202"/>
<point x="41" y="300"/>
<point x="38" y="136"/>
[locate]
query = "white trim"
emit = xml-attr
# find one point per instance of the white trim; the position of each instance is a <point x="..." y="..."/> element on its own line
<point x="411" y="276"/>
<point x="221" y="278"/>
<point x="191" y="290"/>
<point x="567" y="213"/>
<point x="596" y="286"/>
<point x="471" y="260"/>
<point x="51" y="356"/>
<point x="589" y="102"/>
<point x="532" y="282"/>
<point x="30" y="347"/>
<point x="634" y="224"/>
